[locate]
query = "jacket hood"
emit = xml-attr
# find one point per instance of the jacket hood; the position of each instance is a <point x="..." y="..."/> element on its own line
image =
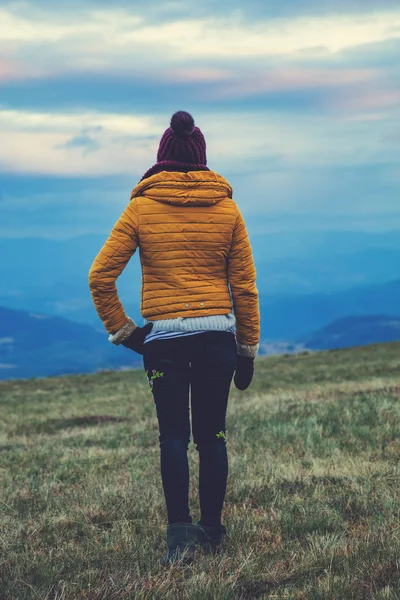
<point x="196" y="188"/>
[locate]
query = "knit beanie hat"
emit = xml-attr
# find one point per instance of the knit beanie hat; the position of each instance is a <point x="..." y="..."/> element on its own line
<point x="182" y="142"/>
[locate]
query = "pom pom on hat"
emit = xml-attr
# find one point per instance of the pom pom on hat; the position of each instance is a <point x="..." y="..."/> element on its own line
<point x="182" y="123"/>
<point x="182" y="141"/>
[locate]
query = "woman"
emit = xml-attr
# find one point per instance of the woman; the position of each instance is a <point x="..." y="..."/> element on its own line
<point x="197" y="266"/>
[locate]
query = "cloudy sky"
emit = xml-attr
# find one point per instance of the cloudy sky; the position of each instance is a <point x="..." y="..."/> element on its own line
<point x="299" y="102"/>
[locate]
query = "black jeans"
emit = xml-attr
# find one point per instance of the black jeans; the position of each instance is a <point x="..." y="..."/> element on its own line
<point x="205" y="363"/>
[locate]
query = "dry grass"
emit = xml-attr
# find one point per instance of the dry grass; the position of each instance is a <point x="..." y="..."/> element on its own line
<point x="312" y="506"/>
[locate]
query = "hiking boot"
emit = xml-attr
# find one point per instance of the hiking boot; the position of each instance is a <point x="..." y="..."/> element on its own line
<point x="182" y="539"/>
<point x="211" y="538"/>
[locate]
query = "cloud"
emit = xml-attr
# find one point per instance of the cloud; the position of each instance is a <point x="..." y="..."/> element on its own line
<point x="297" y="101"/>
<point x="195" y="75"/>
<point x="117" y="40"/>
<point x="281" y="198"/>
<point x="284" y="88"/>
<point x="60" y="207"/>
<point x="52" y="143"/>
<point x="372" y="55"/>
<point x="322" y="198"/>
<point x="269" y="38"/>
<point x="9" y="71"/>
<point x="15" y="27"/>
<point x="294" y="79"/>
<point x="84" y="141"/>
<point x="252" y="9"/>
<point x="361" y="101"/>
<point x="115" y="59"/>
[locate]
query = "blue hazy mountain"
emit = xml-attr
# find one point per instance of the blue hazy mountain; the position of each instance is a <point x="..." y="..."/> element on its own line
<point x="295" y="317"/>
<point x="35" y="344"/>
<point x="38" y="345"/>
<point x="355" y="331"/>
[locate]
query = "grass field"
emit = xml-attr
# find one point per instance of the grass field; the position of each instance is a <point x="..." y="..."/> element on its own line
<point x="313" y="501"/>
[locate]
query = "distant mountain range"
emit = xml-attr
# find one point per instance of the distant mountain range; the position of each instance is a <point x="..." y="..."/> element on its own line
<point x="308" y="282"/>
<point x="287" y="317"/>
<point x="51" y="276"/>
<point x="355" y="331"/>
<point x="294" y="317"/>
<point x="37" y="345"/>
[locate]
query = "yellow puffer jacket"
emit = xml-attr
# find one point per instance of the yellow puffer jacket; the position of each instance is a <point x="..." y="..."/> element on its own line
<point x="193" y="245"/>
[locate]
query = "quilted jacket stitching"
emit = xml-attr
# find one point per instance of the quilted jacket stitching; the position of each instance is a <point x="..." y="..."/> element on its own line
<point x="243" y="258"/>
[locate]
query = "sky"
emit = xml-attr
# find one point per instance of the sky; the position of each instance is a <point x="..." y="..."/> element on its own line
<point x="299" y="102"/>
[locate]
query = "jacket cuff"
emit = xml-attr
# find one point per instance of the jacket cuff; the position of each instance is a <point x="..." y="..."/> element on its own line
<point x="123" y="333"/>
<point x="246" y="350"/>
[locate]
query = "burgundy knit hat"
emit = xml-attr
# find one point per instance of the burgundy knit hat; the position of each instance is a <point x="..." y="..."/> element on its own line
<point x="182" y="142"/>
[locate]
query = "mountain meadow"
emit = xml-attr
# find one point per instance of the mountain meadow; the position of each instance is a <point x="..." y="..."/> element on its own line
<point x="312" y="508"/>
